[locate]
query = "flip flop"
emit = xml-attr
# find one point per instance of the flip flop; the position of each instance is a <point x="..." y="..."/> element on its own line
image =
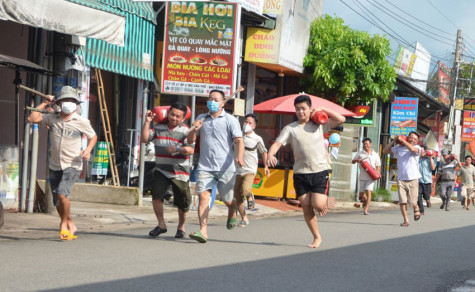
<point x="417" y="215"/>
<point x="405" y="224"/>
<point x="243" y="223"/>
<point x="156" y="231"/>
<point x="198" y="237"/>
<point x="72" y="236"/>
<point x="232" y="222"/>
<point x="251" y="204"/>
<point x="64" y="234"/>
<point x="180" y="234"/>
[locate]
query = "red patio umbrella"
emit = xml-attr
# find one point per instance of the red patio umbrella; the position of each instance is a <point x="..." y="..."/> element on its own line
<point x="285" y="105"/>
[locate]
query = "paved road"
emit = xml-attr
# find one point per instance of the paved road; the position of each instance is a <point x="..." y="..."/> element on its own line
<point x="359" y="253"/>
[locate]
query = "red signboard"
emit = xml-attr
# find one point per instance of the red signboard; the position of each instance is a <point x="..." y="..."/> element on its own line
<point x="468" y="126"/>
<point x="444" y="83"/>
<point x="199" y="47"/>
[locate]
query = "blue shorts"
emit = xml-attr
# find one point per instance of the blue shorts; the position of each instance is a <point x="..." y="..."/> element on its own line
<point x="223" y="179"/>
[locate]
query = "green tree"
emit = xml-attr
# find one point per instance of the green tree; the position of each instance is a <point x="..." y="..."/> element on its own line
<point x="347" y="65"/>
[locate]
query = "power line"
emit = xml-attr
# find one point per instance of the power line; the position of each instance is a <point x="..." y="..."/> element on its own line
<point x="362" y="8"/>
<point x="400" y="16"/>
<point x="389" y="34"/>
<point x="405" y="12"/>
<point x="440" y="12"/>
<point x="397" y="19"/>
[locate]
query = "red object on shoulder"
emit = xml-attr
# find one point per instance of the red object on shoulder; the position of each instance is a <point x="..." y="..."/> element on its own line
<point x="161" y="114"/>
<point x="320" y="117"/>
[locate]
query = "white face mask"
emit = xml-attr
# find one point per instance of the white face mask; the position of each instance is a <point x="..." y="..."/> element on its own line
<point x="68" y="107"/>
<point x="246" y="128"/>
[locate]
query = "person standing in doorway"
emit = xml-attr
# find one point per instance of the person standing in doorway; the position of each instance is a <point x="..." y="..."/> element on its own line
<point x="172" y="165"/>
<point x="311" y="178"/>
<point x="65" y="164"/>
<point x="365" y="180"/>
<point x="253" y="144"/>
<point x="426" y="167"/>
<point x="408" y="174"/>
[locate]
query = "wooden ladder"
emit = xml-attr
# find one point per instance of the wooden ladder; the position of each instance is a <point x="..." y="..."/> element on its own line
<point x="107" y="128"/>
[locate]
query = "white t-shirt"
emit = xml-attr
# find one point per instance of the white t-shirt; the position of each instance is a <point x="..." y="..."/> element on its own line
<point x="252" y="144"/>
<point x="308" y="146"/>
<point x="373" y="160"/>
<point x="407" y="162"/>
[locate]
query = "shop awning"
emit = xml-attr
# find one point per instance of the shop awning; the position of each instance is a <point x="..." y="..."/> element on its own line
<point x="89" y="18"/>
<point x="135" y="58"/>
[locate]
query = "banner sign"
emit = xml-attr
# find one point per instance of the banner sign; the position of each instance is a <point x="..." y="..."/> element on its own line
<point x="469" y="104"/>
<point x="101" y="159"/>
<point x="255" y="6"/>
<point x="404" y="115"/>
<point x="404" y="62"/>
<point x="444" y="83"/>
<point x="365" y="115"/>
<point x="468" y="126"/>
<point x="262" y="45"/>
<point x="9" y="174"/>
<point x="199" y="48"/>
<point x="273" y="7"/>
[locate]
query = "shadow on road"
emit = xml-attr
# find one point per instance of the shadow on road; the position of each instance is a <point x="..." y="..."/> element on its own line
<point x="421" y="262"/>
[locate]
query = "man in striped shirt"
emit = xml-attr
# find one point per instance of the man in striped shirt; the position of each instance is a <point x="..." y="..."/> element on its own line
<point x="172" y="165"/>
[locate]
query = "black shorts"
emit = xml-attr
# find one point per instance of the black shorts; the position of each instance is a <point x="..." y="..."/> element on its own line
<point x="311" y="182"/>
<point x="181" y="190"/>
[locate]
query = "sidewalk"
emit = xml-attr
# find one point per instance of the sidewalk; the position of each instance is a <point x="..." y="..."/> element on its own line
<point x="98" y="218"/>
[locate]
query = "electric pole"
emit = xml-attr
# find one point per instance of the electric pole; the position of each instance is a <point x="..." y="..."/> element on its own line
<point x="453" y="91"/>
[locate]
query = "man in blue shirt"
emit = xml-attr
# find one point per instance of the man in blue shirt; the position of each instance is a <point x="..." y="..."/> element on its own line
<point x="426" y="166"/>
<point x="218" y="131"/>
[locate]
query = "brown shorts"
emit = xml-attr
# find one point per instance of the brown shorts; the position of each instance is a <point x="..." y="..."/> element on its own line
<point x="408" y="191"/>
<point x="243" y="186"/>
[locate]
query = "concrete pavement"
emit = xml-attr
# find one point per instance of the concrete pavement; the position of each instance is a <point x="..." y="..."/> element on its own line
<point x="99" y="217"/>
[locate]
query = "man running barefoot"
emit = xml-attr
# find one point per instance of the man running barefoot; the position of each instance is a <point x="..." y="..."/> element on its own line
<point x="311" y="164"/>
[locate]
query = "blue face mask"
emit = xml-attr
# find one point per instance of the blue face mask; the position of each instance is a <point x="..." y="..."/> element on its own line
<point x="213" y="106"/>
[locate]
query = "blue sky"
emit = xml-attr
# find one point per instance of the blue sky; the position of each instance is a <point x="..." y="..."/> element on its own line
<point x="439" y="21"/>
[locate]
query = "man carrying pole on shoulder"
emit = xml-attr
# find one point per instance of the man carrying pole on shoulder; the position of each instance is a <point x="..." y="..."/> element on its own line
<point x="65" y="164"/>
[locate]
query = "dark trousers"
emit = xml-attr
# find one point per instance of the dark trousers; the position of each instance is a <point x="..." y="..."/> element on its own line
<point x="424" y="194"/>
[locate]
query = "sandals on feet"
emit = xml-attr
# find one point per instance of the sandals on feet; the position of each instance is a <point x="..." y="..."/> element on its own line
<point x="243" y="223"/>
<point x="417" y="215"/>
<point x="232" y="222"/>
<point x="405" y="224"/>
<point x="180" y="234"/>
<point x="198" y="237"/>
<point x="157" y="231"/>
<point x="251" y="204"/>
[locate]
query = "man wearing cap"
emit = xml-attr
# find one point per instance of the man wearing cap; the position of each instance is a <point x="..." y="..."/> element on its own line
<point x="65" y="164"/>
<point x="447" y="175"/>
<point x="408" y="174"/>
